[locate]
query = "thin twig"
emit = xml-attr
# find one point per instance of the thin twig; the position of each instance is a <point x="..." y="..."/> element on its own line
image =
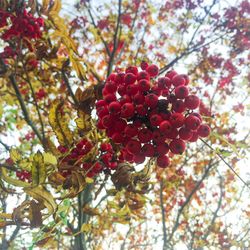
<point x="222" y="158"/>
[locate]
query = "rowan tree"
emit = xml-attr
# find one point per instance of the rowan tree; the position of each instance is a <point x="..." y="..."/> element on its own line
<point x="124" y="124"/>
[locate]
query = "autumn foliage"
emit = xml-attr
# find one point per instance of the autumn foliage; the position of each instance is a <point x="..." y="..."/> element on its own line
<point x="124" y="124"/>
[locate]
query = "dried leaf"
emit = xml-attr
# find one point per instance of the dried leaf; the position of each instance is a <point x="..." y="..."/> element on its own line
<point x="38" y="169"/>
<point x="44" y="197"/>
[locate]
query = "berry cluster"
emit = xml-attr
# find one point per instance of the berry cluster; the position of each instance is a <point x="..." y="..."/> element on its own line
<point x="148" y="117"/>
<point x="74" y="159"/>
<point x="23" y="175"/>
<point x="23" y="25"/>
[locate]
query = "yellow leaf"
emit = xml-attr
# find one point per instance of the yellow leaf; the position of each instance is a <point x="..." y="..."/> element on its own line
<point x="172" y="49"/>
<point x="40" y="194"/>
<point x="49" y="158"/>
<point x="59" y="125"/>
<point x="38" y="169"/>
<point x="56" y="6"/>
<point x="89" y="180"/>
<point x="5" y="216"/>
<point x="15" y="155"/>
<point x="85" y="228"/>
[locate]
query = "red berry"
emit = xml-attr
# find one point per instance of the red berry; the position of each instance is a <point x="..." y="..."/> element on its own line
<point x="192" y="102"/>
<point x="107" y="121"/>
<point x="158" y="137"/>
<point x="204" y="130"/>
<point x="111" y="77"/>
<point x="186" y="78"/>
<point x="102" y="111"/>
<point x="151" y="100"/>
<point x="139" y="158"/>
<point x="185" y="134"/>
<point x="153" y="70"/>
<point x="165" y="127"/>
<point x="144" y="65"/>
<point x="119" y="125"/>
<point x="127" y="156"/>
<point x="143" y="75"/>
<point x="132" y="69"/>
<point x="194" y="137"/>
<point x="132" y="89"/>
<point x="177" y="120"/>
<point x="130" y="78"/>
<point x="139" y="98"/>
<point x="179" y="106"/>
<point x="110" y="98"/>
<point x="119" y="79"/>
<point x="145" y="135"/>
<point x="114" y="107"/>
<point x="165" y="92"/>
<point x="148" y="150"/>
<point x="170" y="74"/>
<point x="177" y="146"/>
<point x="141" y="110"/>
<point x="100" y="103"/>
<point x="197" y="115"/>
<point x="172" y="134"/>
<point x="121" y="90"/>
<point x="111" y="87"/>
<point x="181" y="92"/>
<point x="155" y="120"/>
<point x="164" y="82"/>
<point x="192" y="122"/>
<point x="178" y="80"/>
<point x="106" y="147"/>
<point x="127" y="110"/>
<point x="162" y="161"/>
<point x="117" y="138"/>
<point x="133" y="147"/>
<point x="124" y="99"/>
<point x="143" y="85"/>
<point x="131" y="130"/>
<point x="162" y="148"/>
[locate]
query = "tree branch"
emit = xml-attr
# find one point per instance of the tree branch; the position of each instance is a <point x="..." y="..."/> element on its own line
<point x="164" y="228"/>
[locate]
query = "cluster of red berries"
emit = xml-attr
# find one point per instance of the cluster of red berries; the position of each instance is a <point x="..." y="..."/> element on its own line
<point x="23" y="25"/>
<point x="148" y="117"/>
<point x="73" y="158"/>
<point x="23" y="175"/>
